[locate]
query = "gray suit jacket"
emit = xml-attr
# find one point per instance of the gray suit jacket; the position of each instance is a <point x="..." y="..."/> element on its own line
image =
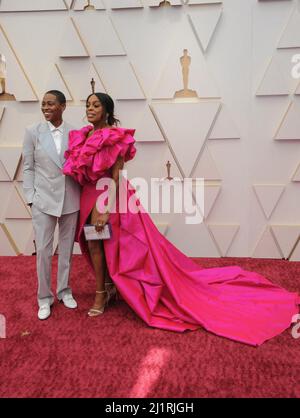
<point x="44" y="183"/>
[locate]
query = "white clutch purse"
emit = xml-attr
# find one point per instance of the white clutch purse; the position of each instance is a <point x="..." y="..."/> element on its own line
<point x="91" y="233"/>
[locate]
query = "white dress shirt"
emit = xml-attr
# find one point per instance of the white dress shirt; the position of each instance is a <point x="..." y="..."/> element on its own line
<point x="57" y="135"/>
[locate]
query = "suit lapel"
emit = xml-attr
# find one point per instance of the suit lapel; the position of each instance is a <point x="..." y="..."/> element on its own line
<point x="47" y="142"/>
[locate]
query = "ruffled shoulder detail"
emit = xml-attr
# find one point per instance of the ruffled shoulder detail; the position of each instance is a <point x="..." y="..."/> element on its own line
<point x="87" y="159"/>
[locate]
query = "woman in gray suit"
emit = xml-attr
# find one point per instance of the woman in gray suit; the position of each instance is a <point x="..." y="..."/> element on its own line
<point x="53" y="198"/>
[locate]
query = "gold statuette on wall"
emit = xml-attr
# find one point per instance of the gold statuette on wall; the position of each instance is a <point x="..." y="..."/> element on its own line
<point x="93" y="85"/>
<point x="164" y="3"/>
<point x="185" y="62"/>
<point x="168" y="165"/>
<point x="89" y="6"/>
<point x="4" y="96"/>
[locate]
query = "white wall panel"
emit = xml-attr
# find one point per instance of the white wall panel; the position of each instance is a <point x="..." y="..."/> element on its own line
<point x="122" y="88"/>
<point x="31" y="5"/>
<point x="204" y="22"/>
<point x="99" y="34"/>
<point x="125" y="4"/>
<point x="241" y="70"/>
<point x="291" y="34"/>
<point x="187" y="140"/>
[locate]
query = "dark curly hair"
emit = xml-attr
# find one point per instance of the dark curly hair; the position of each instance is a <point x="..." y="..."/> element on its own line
<point x="109" y="106"/>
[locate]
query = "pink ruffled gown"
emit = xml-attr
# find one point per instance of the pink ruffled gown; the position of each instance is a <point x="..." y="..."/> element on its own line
<point x="162" y="285"/>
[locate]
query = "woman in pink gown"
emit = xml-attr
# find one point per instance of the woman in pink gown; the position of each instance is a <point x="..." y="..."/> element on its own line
<point x="162" y="285"/>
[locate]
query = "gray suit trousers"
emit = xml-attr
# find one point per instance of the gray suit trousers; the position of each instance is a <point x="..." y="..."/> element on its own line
<point x="44" y="227"/>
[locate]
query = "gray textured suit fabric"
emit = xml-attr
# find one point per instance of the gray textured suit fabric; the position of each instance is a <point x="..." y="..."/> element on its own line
<point x="55" y="198"/>
<point x="44" y="184"/>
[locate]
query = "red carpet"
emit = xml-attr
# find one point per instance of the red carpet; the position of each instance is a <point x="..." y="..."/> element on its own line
<point x="117" y="355"/>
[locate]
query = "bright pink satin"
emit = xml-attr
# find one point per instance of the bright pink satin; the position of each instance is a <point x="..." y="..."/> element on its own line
<point x="163" y="286"/>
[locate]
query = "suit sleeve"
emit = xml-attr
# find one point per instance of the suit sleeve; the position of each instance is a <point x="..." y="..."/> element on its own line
<point x="28" y="166"/>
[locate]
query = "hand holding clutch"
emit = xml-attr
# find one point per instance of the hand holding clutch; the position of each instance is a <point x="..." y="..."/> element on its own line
<point x="91" y="234"/>
<point x="101" y="220"/>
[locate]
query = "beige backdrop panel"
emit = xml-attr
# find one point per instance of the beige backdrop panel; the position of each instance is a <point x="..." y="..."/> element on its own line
<point x="230" y="114"/>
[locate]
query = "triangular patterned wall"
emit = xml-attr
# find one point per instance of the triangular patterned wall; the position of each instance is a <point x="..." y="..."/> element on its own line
<point x="133" y="49"/>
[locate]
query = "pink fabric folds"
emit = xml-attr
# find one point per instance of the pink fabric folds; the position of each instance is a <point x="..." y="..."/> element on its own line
<point x="87" y="159"/>
<point x="163" y="286"/>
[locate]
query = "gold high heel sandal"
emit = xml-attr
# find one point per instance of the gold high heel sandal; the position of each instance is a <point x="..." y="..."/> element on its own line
<point x="99" y="311"/>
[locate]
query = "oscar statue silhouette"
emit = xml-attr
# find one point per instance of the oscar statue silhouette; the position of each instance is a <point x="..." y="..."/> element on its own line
<point x="89" y="6"/>
<point x="185" y="62"/>
<point x="4" y="96"/>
